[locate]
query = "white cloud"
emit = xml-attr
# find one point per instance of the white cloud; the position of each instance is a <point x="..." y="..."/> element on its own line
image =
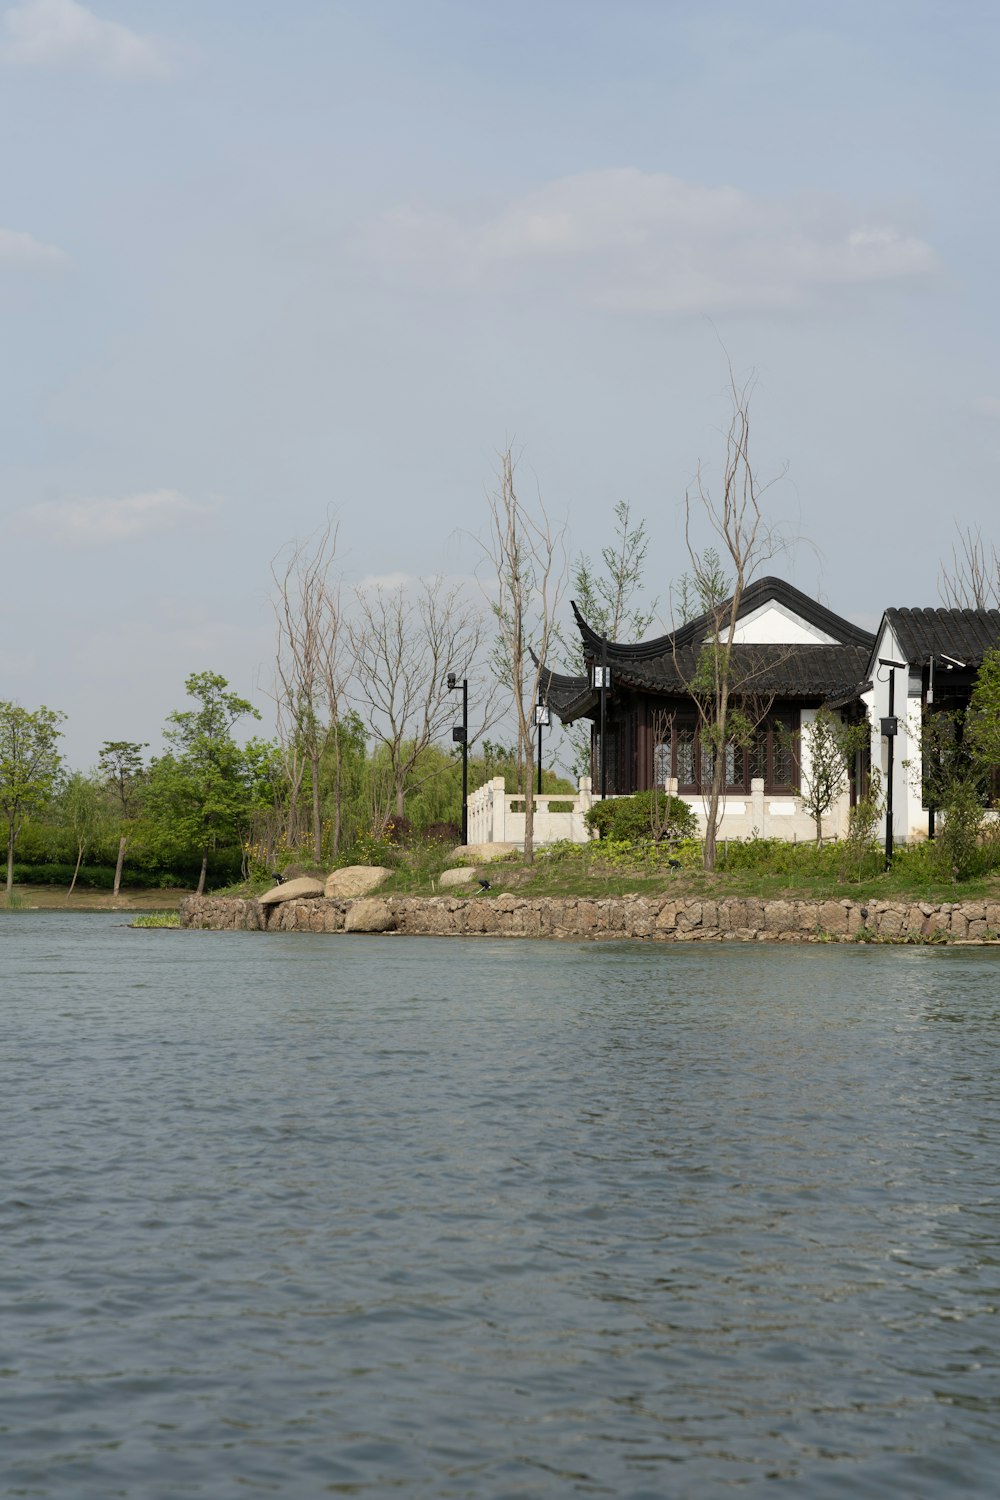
<point x="386" y="581"/>
<point x="83" y="522"/>
<point x="57" y="33"/>
<point x="22" y="251"/>
<point x="646" y="241"/>
<point x="987" y="406"/>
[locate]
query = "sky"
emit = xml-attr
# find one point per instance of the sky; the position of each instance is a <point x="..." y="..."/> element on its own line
<point x="261" y="264"/>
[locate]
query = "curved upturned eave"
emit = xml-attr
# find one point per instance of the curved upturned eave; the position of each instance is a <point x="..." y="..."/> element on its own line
<point x="757" y="593"/>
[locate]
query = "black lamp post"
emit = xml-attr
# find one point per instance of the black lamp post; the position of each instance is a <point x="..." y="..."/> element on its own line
<point x="601" y="679"/>
<point x="890" y="728"/>
<point x="541" y="722"/>
<point x="460" y="735"/>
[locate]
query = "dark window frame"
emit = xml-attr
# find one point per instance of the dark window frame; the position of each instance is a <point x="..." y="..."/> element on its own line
<point x="777" y="740"/>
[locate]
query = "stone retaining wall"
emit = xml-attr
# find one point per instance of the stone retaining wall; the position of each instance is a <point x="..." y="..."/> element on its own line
<point x="658" y="919"/>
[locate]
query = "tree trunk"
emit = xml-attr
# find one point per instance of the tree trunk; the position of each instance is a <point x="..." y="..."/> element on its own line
<point x="338" y="763"/>
<point x="79" y="862"/>
<point x="527" y="779"/>
<point x="201" y="878"/>
<point x="122" y="843"/>
<point x="10" y="858"/>
<point x="712" y="811"/>
<point x="400" y="798"/>
<point x="317" y="816"/>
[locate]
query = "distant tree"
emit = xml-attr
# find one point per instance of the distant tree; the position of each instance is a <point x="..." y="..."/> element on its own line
<point x="724" y="687"/>
<point x="405" y="641"/>
<point x="206" y="788"/>
<point x="524" y="552"/>
<point x="313" y="665"/>
<point x="972" y="579"/>
<point x="83" y="810"/>
<point x="120" y="764"/>
<point x="609" y="602"/>
<point x="29" y="767"/>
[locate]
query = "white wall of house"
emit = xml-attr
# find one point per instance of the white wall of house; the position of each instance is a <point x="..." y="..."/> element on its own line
<point x="774" y="625"/>
<point x="909" y="819"/>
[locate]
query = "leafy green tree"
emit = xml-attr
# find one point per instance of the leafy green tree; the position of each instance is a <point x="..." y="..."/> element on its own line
<point x="610" y="601"/>
<point x="29" y="767"/>
<point x="121" y="766"/>
<point x="203" y="792"/>
<point x="825" y="768"/>
<point x="982" y="721"/>
<point x="700" y="592"/>
<point x="83" y="811"/>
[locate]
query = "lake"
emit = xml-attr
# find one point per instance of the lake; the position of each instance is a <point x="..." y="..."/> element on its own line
<point x="326" y="1215"/>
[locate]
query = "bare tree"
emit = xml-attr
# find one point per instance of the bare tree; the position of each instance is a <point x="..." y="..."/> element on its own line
<point x="725" y="686"/>
<point x="312" y="668"/>
<point x="405" y="641"/>
<point x="527" y="560"/>
<point x="972" y="580"/>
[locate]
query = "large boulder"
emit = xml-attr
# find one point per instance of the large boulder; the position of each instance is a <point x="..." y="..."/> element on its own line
<point x="372" y="914"/>
<point x="303" y="889"/>
<point x="481" y="854"/>
<point x="462" y="876"/>
<point x="355" y="880"/>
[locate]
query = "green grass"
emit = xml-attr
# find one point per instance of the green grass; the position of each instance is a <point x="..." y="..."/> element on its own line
<point x="761" y="869"/>
<point x="157" y="919"/>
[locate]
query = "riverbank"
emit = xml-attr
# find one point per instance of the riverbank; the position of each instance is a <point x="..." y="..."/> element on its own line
<point x="55" y="898"/>
<point x="645" y="918"/>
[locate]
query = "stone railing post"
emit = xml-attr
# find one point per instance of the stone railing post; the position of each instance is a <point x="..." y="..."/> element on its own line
<point x="757" y="805"/>
<point x="498" y="832"/>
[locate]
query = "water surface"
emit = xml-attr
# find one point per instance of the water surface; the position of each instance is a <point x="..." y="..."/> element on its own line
<point x="311" y="1216"/>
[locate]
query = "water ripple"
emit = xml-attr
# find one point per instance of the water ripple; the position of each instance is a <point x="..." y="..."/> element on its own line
<point x="304" y="1216"/>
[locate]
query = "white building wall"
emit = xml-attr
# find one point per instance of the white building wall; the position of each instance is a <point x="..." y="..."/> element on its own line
<point x="774" y="625"/>
<point x="909" y="820"/>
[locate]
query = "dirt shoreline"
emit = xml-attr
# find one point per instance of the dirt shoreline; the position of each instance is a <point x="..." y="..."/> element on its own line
<point x="54" y="898"/>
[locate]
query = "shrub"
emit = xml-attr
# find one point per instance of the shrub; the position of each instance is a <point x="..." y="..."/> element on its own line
<point x="963" y="847"/>
<point x="443" y="833"/>
<point x="644" y="815"/>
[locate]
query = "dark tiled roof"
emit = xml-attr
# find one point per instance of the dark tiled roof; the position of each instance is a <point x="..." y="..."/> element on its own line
<point x="666" y="665"/>
<point x="815" y="673"/>
<point x="966" y="634"/>
<point x="568" y="696"/>
<point x="791" y="671"/>
<point x="762" y="591"/>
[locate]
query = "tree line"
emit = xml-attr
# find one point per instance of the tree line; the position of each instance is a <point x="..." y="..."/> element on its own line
<point x="363" y="706"/>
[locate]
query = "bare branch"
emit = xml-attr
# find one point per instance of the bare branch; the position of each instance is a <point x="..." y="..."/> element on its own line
<point x="405" y="642"/>
<point x="973" y="579"/>
<point x="527" y="559"/>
